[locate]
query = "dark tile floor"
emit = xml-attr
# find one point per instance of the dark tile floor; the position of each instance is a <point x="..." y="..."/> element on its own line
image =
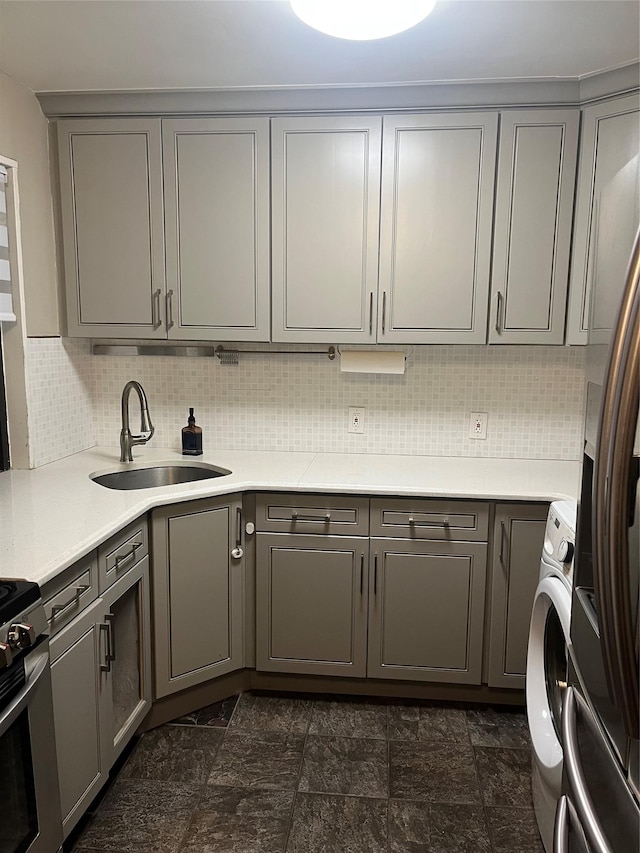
<point x="283" y="774"/>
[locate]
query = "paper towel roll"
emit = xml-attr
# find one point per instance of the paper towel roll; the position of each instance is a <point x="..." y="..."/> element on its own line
<point x="372" y="361"/>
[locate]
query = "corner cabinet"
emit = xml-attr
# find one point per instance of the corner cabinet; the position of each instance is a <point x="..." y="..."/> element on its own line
<point x="610" y="139"/>
<point x="325" y="211"/>
<point x="435" y="227"/>
<point x="532" y="232"/>
<point x="517" y="545"/>
<point x="199" y="188"/>
<point x="197" y="592"/>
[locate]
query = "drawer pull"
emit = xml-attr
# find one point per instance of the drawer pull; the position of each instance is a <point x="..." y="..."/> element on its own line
<point x="296" y="516"/>
<point x="120" y="561"/>
<point x="412" y="521"/>
<point x="58" y="608"/>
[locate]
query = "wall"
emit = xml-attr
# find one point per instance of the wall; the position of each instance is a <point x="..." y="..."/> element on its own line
<point x="24" y="137"/>
<point x="533" y="396"/>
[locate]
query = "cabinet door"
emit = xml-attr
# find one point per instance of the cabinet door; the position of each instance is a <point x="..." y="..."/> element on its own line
<point x="610" y="138"/>
<point x="532" y="232"/>
<point x="325" y="212"/>
<point x="75" y="681"/>
<point x="216" y="184"/>
<point x="311" y="604"/>
<point x="426" y="610"/>
<point x="517" y="547"/>
<point x="197" y="592"/>
<point x="125" y="653"/>
<point x="435" y="228"/>
<point x="111" y="196"/>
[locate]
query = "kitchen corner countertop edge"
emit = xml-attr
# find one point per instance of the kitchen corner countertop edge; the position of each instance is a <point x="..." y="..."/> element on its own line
<point x="54" y="515"/>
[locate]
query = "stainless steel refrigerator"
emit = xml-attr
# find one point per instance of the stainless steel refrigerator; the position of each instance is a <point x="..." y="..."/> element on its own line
<point x="599" y="811"/>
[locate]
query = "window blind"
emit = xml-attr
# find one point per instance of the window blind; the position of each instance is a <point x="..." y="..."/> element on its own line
<point x="6" y="303"/>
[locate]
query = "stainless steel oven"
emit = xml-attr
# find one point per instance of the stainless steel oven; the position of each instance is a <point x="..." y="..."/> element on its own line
<point x="29" y="799"/>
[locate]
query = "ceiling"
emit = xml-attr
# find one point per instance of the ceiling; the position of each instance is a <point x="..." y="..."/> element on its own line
<point x="116" y="45"/>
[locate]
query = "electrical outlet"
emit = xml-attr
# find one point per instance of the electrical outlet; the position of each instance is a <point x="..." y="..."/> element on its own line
<point x="478" y="425"/>
<point x="356" y="419"/>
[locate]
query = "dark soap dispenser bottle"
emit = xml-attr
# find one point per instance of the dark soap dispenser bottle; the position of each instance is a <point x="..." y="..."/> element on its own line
<point x="192" y="437"/>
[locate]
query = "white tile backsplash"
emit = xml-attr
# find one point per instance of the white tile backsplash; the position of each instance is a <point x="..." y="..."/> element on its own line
<point x="533" y="397"/>
<point x="60" y="398"/>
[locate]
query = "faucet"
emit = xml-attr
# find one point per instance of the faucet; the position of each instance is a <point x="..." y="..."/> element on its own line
<point x="126" y="439"/>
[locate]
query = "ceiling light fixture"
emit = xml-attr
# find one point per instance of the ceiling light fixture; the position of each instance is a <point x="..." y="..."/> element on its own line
<point x="362" y="20"/>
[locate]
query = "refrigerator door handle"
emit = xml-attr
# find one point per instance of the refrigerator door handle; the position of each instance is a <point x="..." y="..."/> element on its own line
<point x="585" y="815"/>
<point x="611" y="496"/>
<point x="566" y="817"/>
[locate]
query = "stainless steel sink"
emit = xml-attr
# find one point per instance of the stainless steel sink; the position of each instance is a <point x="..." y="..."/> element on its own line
<point x="152" y="476"/>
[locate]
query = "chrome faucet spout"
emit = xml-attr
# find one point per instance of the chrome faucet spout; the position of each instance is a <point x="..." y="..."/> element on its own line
<point x="127" y="441"/>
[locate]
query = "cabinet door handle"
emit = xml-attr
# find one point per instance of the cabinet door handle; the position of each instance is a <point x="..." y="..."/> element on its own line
<point x="106" y="628"/>
<point x="375" y="575"/>
<point x="120" y="561"/>
<point x="155" y="309"/>
<point x="58" y="608"/>
<point x="502" y="538"/>
<point x="112" y="636"/>
<point x="361" y="573"/>
<point x="238" y="527"/>
<point x="384" y="309"/>
<point x="499" y="314"/>
<point x="371" y="313"/>
<point x="170" y="322"/>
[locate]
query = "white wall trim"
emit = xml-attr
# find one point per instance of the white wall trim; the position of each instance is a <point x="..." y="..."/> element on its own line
<point x="14" y="336"/>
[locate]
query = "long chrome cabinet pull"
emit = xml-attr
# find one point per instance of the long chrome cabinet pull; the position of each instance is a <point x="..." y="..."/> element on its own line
<point x="156" y="322"/>
<point x="502" y="535"/>
<point x="413" y="523"/>
<point x="371" y="313"/>
<point x="112" y="636"/>
<point x="238" y="527"/>
<point x="585" y="813"/>
<point x="58" y="608"/>
<point x="105" y="627"/>
<point x="361" y="573"/>
<point x="384" y="309"/>
<point x="170" y="322"/>
<point x="375" y="575"/>
<point x="499" y="314"/>
<point x="120" y="561"/>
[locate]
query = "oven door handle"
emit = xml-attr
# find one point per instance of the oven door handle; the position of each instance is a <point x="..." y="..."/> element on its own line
<point x="17" y="705"/>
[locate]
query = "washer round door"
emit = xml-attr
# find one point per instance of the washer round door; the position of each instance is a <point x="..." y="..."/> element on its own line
<point x="547" y="675"/>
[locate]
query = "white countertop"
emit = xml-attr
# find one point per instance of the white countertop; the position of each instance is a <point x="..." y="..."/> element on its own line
<point x="53" y="515"/>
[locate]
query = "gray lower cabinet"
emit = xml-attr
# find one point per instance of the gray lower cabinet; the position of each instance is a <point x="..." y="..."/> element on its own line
<point x="77" y="700"/>
<point x="101" y="681"/>
<point x="426" y="610"/>
<point x="197" y="592"/>
<point x="517" y="546"/>
<point x="311" y="604"/>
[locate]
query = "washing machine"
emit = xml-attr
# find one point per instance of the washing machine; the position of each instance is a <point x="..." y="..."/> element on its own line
<point x="547" y="662"/>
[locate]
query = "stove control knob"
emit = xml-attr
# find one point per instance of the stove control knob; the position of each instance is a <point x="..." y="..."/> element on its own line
<point x="6" y="655"/>
<point x="21" y="635"/>
<point x="565" y="551"/>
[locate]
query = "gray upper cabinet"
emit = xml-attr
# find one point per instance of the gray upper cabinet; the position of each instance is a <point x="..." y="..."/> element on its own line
<point x="325" y="213"/>
<point x="517" y="546"/>
<point x="111" y="201"/>
<point x="532" y="233"/>
<point x="197" y="592"/>
<point x="610" y="139"/>
<point x="216" y="184"/>
<point x="435" y="230"/>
